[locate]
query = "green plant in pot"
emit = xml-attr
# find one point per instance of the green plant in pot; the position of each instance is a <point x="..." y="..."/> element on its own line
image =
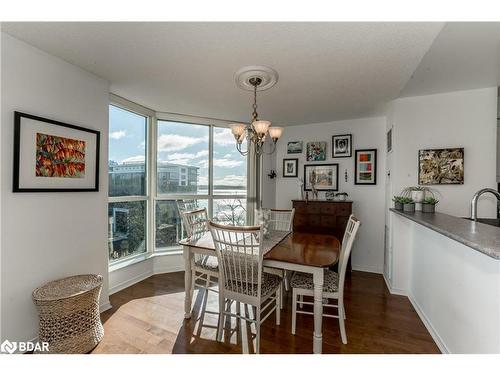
<point x="408" y="204"/>
<point x="429" y="204"/>
<point x="398" y="203"/>
<point x="341" y="196"/>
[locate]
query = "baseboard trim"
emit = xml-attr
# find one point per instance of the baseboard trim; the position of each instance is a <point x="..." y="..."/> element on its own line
<point x="130" y="282"/>
<point x="168" y="269"/>
<point x="366" y="268"/>
<point x="430" y="328"/>
<point x="399" y="292"/>
<point x="105" y="306"/>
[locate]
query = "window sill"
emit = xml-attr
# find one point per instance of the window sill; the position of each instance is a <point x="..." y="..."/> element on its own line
<point x="143" y="257"/>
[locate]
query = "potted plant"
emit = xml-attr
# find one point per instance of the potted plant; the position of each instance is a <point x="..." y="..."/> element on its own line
<point x="408" y="204"/>
<point x="429" y="204"/>
<point x="398" y="204"/>
<point x="341" y="196"/>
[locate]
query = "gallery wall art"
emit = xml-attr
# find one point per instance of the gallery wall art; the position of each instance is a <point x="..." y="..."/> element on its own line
<point x="441" y="166"/>
<point x="365" y="167"/>
<point x="324" y="176"/>
<point x="342" y="146"/>
<point x="316" y="151"/>
<point x="54" y="156"/>
<point x="290" y="167"/>
<point x="294" y="147"/>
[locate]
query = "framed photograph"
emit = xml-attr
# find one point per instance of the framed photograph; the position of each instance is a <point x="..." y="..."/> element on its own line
<point x="316" y="151"/>
<point x="290" y="167"/>
<point x="441" y="166"/>
<point x="52" y="156"/>
<point x="389" y="140"/>
<point x="294" y="147"/>
<point x="365" y="167"/>
<point x="325" y="175"/>
<point x="342" y="146"/>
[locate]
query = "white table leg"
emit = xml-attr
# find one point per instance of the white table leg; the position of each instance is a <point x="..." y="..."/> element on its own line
<point x="318" y="311"/>
<point x="187" y="281"/>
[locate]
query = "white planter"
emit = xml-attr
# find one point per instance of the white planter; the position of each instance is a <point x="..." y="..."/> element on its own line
<point x="417" y="196"/>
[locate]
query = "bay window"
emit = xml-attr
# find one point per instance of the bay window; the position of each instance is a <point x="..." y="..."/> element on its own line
<point x="156" y="159"/>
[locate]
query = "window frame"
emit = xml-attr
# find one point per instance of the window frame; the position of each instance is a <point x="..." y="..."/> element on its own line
<point x="210" y="197"/>
<point x="129" y="106"/>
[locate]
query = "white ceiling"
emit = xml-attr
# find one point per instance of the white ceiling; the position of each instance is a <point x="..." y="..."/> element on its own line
<point x="465" y="55"/>
<point x="328" y="71"/>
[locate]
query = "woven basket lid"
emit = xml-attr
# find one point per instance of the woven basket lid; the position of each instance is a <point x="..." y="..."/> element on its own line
<point x="67" y="287"/>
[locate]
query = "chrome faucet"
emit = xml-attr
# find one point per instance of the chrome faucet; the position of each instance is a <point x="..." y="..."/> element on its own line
<point x="473" y="202"/>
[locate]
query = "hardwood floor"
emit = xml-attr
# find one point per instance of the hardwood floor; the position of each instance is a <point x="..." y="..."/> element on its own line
<point x="148" y="317"/>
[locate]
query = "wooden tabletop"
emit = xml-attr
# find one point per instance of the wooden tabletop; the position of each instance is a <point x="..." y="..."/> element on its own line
<point x="318" y="250"/>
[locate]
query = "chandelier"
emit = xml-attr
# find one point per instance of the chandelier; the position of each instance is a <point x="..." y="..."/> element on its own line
<point x="257" y="131"/>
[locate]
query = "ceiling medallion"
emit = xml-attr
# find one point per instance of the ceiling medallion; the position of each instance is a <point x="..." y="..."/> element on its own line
<point x="255" y="78"/>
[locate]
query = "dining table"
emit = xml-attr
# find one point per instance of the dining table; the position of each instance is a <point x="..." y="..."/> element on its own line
<point x="293" y="251"/>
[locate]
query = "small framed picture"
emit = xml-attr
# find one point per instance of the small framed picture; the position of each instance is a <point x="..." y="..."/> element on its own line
<point x="316" y="151"/>
<point x="52" y="156"/>
<point x="325" y="177"/>
<point x="441" y="166"/>
<point x="294" y="147"/>
<point x="342" y="146"/>
<point x="365" y="167"/>
<point x="290" y="167"/>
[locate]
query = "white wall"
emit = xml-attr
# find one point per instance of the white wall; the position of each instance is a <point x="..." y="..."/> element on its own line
<point x="45" y="236"/>
<point x="368" y="204"/>
<point x="458" y="295"/>
<point x="457" y="119"/>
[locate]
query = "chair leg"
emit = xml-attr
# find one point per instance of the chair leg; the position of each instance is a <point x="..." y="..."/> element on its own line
<point x="282" y="295"/>
<point x="220" y="324"/>
<point x="278" y="304"/>
<point x="208" y="282"/>
<point x="257" y="331"/>
<point x="294" y="310"/>
<point x="285" y="278"/>
<point x="343" y="333"/>
<point x="301" y="298"/>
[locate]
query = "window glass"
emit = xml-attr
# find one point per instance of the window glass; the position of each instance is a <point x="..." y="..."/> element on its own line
<point x="127" y="153"/>
<point x="182" y="160"/>
<point x="230" y="211"/>
<point x="230" y="167"/>
<point x="169" y="229"/>
<point x="127" y="229"/>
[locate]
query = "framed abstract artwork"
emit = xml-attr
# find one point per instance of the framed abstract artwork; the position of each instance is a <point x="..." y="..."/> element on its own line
<point x="294" y="147"/>
<point x="325" y="176"/>
<point x="441" y="166"/>
<point x="52" y="156"/>
<point x="316" y="151"/>
<point x="365" y="167"/>
<point x="342" y="146"/>
<point x="290" y="167"/>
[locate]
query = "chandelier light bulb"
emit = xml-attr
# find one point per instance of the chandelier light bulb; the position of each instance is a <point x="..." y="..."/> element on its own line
<point x="261" y="127"/>
<point x="238" y="130"/>
<point x="275" y="132"/>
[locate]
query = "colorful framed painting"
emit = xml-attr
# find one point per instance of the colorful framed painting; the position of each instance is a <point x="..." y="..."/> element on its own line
<point x="294" y="147"/>
<point x="290" y="167"/>
<point x="316" y="151"/>
<point x="52" y="156"/>
<point x="441" y="166"/>
<point x="325" y="175"/>
<point x="342" y="146"/>
<point x="365" y="167"/>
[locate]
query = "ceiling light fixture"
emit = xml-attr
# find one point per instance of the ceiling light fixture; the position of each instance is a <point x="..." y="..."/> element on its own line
<point x="256" y="78"/>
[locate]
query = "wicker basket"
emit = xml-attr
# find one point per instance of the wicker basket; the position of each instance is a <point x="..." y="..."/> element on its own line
<point x="69" y="313"/>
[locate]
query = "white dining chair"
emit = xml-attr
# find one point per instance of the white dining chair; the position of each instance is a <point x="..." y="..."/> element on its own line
<point x="333" y="284"/>
<point x="281" y="220"/>
<point x="242" y="279"/>
<point x="205" y="268"/>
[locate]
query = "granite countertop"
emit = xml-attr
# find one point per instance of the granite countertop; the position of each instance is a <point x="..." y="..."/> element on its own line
<point x="478" y="236"/>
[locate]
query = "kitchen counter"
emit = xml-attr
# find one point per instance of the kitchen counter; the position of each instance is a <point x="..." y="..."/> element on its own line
<point x="478" y="236"/>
